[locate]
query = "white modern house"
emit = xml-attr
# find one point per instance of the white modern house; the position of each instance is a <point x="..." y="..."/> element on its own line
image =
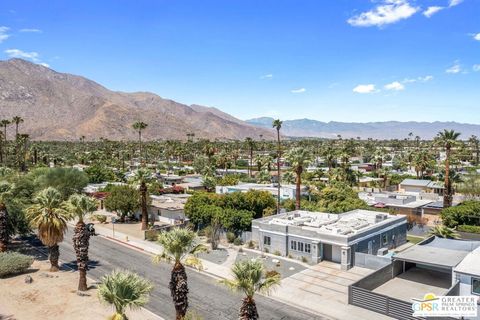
<point x="468" y="273"/>
<point x="286" y="191"/>
<point x="168" y="208"/>
<point x="318" y="236"/>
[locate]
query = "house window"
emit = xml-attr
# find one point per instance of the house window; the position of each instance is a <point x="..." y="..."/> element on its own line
<point x="266" y="240"/>
<point x="300" y="246"/>
<point x="384" y="239"/>
<point x="307" y="247"/>
<point x="293" y="245"/>
<point x="476" y="286"/>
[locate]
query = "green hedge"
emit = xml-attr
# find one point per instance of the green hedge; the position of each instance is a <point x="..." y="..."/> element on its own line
<point x="466" y="213"/>
<point x="13" y="263"/>
<point x="471" y="229"/>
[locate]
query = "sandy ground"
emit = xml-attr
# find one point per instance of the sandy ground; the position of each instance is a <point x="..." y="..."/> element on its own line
<point x="53" y="296"/>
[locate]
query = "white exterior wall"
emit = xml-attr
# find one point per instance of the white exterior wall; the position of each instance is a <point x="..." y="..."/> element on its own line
<point x="336" y="254"/>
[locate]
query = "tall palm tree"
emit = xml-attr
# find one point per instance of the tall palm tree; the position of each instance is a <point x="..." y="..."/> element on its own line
<point x="180" y="247"/>
<point x="277" y="124"/>
<point x="249" y="277"/>
<point x="298" y="158"/>
<point x="49" y="216"/>
<point x="140" y="126"/>
<point x="250" y="144"/>
<point x="79" y="206"/>
<point x="5" y="123"/>
<point x="447" y="138"/>
<point x="124" y="289"/>
<point x="142" y="177"/>
<point x="4" y="234"/>
<point x="444" y="232"/>
<point x="17" y="120"/>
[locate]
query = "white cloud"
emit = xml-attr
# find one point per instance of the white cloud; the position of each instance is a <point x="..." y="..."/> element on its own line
<point x="299" y="90"/>
<point x="364" y="88"/>
<point x="267" y="76"/>
<point x="418" y="79"/>
<point x="33" y="56"/>
<point x="395" y="86"/>
<point x="31" y="30"/>
<point x="432" y="10"/>
<point x="476" y="67"/>
<point x="455" y="68"/>
<point x="389" y="11"/>
<point x="476" y="36"/>
<point x="454" y="3"/>
<point x="3" y="34"/>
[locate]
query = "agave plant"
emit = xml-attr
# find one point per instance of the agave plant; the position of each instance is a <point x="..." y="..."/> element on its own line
<point x="79" y="206"/>
<point x="444" y="232"/>
<point x="180" y="247"/>
<point x="249" y="277"/>
<point x="49" y="216"/>
<point x="124" y="289"/>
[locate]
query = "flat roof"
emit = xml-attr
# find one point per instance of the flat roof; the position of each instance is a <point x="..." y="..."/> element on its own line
<point x="471" y="264"/>
<point x="348" y="223"/>
<point x="437" y="251"/>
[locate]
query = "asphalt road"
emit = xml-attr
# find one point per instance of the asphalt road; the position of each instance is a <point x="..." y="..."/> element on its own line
<point x="208" y="298"/>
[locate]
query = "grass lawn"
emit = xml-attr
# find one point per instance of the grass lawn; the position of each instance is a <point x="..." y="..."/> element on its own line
<point x="414" y="239"/>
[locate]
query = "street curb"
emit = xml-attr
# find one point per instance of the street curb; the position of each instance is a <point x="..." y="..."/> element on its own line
<point x="122" y="242"/>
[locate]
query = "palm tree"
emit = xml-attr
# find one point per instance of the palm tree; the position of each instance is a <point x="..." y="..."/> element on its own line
<point x="79" y="206"/>
<point x="444" y="232"/>
<point x="142" y="177"/>
<point x="17" y="120"/>
<point x="298" y="158"/>
<point x="447" y="139"/>
<point x="4" y="123"/>
<point x="249" y="277"/>
<point x="475" y="143"/>
<point x="4" y="233"/>
<point x="251" y="144"/>
<point x="124" y="289"/>
<point x="49" y="216"/>
<point x="140" y="126"/>
<point x="277" y="124"/>
<point x="180" y="247"/>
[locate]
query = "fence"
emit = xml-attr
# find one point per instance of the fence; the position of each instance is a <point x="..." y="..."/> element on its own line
<point x="370" y="261"/>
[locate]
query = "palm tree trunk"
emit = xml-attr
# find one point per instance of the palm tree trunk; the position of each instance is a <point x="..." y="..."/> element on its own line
<point x="278" y="171"/>
<point x="248" y="310"/>
<point x="298" y="182"/>
<point x="140" y="142"/>
<point x="53" y="255"/>
<point x="179" y="290"/>
<point x="3" y="228"/>
<point x="81" y="239"/>
<point x="143" y="191"/>
<point x="447" y="196"/>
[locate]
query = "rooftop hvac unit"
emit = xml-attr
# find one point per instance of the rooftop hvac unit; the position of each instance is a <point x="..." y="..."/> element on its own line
<point x="296" y="215"/>
<point x="382" y="251"/>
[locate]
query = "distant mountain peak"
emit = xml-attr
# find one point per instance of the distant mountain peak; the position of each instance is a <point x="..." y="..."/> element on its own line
<point x="61" y="106"/>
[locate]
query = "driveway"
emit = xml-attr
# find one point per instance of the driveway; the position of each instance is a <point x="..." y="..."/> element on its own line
<point x="325" y="287"/>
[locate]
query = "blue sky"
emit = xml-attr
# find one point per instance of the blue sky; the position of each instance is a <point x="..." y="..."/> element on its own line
<point x="337" y="60"/>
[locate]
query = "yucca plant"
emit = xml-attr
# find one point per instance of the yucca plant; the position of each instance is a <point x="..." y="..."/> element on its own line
<point x="79" y="206"/>
<point x="49" y="216"/>
<point x="180" y="247"/>
<point x="249" y="277"/>
<point x="122" y="290"/>
<point x="444" y="232"/>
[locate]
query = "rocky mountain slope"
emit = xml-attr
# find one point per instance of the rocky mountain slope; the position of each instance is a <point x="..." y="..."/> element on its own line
<point x="60" y="106"/>
<point x="374" y="130"/>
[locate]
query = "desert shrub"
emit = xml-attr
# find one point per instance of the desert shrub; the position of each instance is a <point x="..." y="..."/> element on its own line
<point x="240" y="250"/>
<point x="266" y="250"/>
<point x="271" y="273"/>
<point x="13" y="263"/>
<point x="151" y="235"/>
<point x="251" y="244"/>
<point x="471" y="229"/>
<point x="304" y="260"/>
<point x="237" y="241"/>
<point x="100" y="218"/>
<point x="230" y="237"/>
<point x="277" y="253"/>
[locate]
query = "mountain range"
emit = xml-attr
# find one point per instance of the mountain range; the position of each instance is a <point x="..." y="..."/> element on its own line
<point x="61" y="106"/>
<point x="374" y="130"/>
